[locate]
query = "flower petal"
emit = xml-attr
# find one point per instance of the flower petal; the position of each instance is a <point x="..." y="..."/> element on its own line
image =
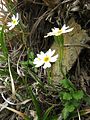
<point x="13" y="17"/>
<point x="64" y="27"/>
<point x="17" y="16"/>
<point x="69" y="30"/>
<point x="54" y="58"/>
<point x="50" y="52"/>
<point x="49" y="34"/>
<point x="39" y="64"/>
<point x="47" y="65"/>
<point x="11" y="27"/>
<point x="41" y="55"/>
<point x="9" y="24"/>
<point x="36" y="60"/>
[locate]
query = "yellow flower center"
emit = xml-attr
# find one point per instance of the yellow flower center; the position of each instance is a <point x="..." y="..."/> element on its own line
<point x="46" y="59"/>
<point x="59" y="32"/>
<point x="14" y="22"/>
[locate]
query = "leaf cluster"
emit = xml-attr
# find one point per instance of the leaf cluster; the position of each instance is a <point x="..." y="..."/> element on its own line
<point x="71" y="98"/>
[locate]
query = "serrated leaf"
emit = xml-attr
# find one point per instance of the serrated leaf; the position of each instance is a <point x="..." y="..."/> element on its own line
<point x="75" y="103"/>
<point x="70" y="107"/>
<point x="78" y="95"/>
<point x="65" y="113"/>
<point x="67" y="84"/>
<point x="67" y="109"/>
<point x="61" y="95"/>
<point x="67" y="96"/>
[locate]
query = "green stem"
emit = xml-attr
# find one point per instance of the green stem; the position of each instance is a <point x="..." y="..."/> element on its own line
<point x="60" y="41"/>
<point x="49" y="76"/>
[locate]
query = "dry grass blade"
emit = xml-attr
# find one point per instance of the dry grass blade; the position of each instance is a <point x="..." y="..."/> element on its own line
<point x="5" y="104"/>
<point x="84" y="112"/>
<point x="12" y="81"/>
<point x="13" y="110"/>
<point x="8" y="100"/>
<point x="2" y="87"/>
<point x="65" y="1"/>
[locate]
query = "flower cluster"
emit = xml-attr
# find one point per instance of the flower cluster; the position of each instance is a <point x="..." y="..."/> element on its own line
<point x="45" y="59"/>
<point x="14" y="22"/>
<point x="57" y="31"/>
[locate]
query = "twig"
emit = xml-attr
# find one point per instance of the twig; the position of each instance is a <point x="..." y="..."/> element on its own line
<point x="77" y="45"/>
<point x="41" y="18"/>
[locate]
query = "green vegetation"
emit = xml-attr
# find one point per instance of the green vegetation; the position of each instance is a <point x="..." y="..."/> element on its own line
<point x="27" y="88"/>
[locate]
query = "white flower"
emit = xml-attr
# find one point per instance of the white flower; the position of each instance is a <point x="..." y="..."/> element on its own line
<point x="45" y="59"/>
<point x="57" y="31"/>
<point x="14" y="21"/>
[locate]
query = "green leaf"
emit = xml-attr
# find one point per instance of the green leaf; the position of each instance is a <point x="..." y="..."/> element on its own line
<point x="3" y="44"/>
<point x="67" y="96"/>
<point x="45" y="116"/>
<point x="36" y="104"/>
<point x="70" y="108"/>
<point x="78" y="95"/>
<point x="24" y="63"/>
<point x="67" y="84"/>
<point x="31" y="55"/>
<point x="67" y="109"/>
<point x="65" y="113"/>
<point x="75" y="103"/>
